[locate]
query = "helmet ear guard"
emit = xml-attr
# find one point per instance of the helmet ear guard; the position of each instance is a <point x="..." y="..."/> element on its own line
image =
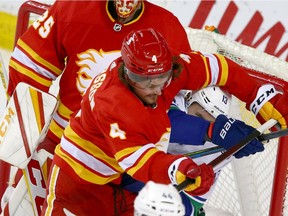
<point x="158" y="199"/>
<point x="214" y="100"/>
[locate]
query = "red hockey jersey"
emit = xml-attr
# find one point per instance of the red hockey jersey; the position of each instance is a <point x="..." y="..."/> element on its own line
<point x="78" y="44"/>
<point x="115" y="133"/>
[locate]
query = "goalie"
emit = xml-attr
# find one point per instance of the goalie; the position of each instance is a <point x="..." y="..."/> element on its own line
<point x="44" y="53"/>
<point x="103" y="140"/>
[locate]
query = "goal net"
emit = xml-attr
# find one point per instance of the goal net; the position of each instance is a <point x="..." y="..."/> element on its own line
<point x="247" y="186"/>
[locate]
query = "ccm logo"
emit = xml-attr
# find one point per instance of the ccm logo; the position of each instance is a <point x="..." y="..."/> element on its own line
<point x="5" y="123"/>
<point x="226" y="127"/>
<point x="264" y="95"/>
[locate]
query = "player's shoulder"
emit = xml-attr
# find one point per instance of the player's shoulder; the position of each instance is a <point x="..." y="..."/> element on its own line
<point x="156" y="8"/>
<point x="78" y="10"/>
<point x="72" y="4"/>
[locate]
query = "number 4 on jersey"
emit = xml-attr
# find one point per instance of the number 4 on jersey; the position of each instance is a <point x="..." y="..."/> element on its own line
<point x="116" y="132"/>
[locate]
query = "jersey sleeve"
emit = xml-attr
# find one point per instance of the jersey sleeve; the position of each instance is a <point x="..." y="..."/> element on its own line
<point x="185" y="128"/>
<point x="203" y="69"/>
<point x="180" y="37"/>
<point x="131" y="145"/>
<point x="38" y="57"/>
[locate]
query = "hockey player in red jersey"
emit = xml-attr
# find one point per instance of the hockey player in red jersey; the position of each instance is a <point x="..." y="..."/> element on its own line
<point x="123" y="126"/>
<point x="78" y="40"/>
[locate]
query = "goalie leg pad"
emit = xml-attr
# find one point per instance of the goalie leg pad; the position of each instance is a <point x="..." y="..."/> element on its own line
<point x="25" y="124"/>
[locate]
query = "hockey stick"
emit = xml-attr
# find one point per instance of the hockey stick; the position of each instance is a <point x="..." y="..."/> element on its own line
<point x="204" y="152"/>
<point x="256" y="133"/>
<point x="216" y="149"/>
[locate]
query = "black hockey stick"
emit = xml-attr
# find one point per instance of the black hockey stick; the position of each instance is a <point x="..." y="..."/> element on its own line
<point x="216" y="149"/>
<point x="204" y="152"/>
<point x="256" y="133"/>
<point x="273" y="135"/>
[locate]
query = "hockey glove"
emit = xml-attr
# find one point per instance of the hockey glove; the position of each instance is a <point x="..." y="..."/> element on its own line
<point x="270" y="104"/>
<point x="227" y="132"/>
<point x="184" y="168"/>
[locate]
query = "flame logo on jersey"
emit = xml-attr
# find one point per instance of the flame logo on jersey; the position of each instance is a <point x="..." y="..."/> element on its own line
<point x="92" y="63"/>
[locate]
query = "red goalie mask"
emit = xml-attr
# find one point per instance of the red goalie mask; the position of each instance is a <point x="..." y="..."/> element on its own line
<point x="125" y="8"/>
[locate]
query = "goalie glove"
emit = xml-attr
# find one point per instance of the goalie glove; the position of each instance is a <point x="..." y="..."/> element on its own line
<point x="184" y="168"/>
<point x="270" y="104"/>
<point x="227" y="132"/>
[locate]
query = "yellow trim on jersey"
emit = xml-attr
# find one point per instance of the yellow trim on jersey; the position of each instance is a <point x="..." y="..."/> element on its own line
<point x="56" y="129"/>
<point x="30" y="74"/>
<point x="126" y="151"/>
<point x="64" y="110"/>
<point x="224" y="74"/>
<point x="143" y="160"/>
<point x="35" y="56"/>
<point x="36" y="107"/>
<point x="84" y="173"/>
<point x="92" y="149"/>
<point x="206" y="70"/>
<point x="52" y="187"/>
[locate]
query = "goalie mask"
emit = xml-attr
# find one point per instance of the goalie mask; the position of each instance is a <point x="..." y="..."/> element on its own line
<point x="124" y="8"/>
<point x="146" y="56"/>
<point x="157" y="200"/>
<point x="212" y="99"/>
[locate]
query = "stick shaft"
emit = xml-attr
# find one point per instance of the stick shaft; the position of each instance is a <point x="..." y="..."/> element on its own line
<point x="204" y="152"/>
<point x="233" y="150"/>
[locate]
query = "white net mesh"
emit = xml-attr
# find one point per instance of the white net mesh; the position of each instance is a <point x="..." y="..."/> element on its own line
<point x="244" y="186"/>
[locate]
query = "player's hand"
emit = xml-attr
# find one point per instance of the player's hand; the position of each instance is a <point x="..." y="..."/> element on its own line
<point x="227" y="132"/>
<point x="185" y="168"/>
<point x="270" y="104"/>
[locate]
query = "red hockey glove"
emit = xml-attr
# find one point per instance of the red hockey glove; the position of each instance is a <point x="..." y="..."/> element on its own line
<point x="270" y="104"/>
<point x="227" y="132"/>
<point x="184" y="168"/>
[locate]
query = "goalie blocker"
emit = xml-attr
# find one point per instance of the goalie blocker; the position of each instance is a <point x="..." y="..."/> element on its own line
<point x="25" y="124"/>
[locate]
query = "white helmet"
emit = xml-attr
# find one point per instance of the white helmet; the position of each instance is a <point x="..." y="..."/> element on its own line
<point x="158" y="200"/>
<point x="214" y="100"/>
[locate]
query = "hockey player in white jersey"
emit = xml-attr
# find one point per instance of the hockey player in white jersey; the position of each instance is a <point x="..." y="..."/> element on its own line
<point x="156" y="199"/>
<point x="207" y="103"/>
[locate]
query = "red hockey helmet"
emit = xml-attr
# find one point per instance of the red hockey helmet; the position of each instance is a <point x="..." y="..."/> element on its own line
<point x="146" y="55"/>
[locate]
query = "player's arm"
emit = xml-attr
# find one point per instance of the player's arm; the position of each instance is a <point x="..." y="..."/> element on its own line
<point x="38" y="57"/>
<point x="265" y="100"/>
<point x="186" y="128"/>
<point x="140" y="158"/>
